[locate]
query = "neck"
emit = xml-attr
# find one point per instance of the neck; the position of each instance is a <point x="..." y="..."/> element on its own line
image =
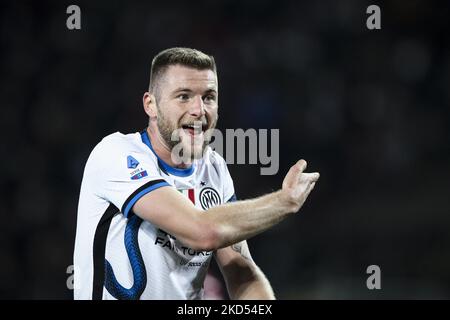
<point x="162" y="149"/>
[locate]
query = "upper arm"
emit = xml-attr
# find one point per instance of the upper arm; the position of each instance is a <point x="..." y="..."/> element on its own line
<point x="174" y="213"/>
<point x="169" y="210"/>
<point x="131" y="181"/>
<point x="120" y="174"/>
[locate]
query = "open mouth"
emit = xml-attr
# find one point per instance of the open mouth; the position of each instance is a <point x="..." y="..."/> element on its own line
<point x="194" y="129"/>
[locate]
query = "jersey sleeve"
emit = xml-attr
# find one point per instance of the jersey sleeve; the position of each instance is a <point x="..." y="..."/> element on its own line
<point x="123" y="174"/>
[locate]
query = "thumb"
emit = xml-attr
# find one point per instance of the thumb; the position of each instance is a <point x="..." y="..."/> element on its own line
<point x="293" y="175"/>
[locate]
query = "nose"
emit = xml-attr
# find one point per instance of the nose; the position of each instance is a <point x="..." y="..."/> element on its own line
<point x="197" y="108"/>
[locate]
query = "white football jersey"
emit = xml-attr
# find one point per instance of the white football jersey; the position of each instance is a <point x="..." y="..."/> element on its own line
<point x="120" y="256"/>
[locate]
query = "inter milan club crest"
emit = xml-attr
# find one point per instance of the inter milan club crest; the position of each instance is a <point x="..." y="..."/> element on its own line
<point x="209" y="198"/>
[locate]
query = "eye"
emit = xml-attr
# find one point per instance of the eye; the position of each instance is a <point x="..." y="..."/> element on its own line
<point x="209" y="98"/>
<point x="183" y="97"/>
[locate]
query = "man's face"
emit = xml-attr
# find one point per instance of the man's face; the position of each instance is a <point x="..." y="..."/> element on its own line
<point x="187" y="107"/>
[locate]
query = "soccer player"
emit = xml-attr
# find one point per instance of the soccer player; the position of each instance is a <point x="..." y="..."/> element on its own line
<point x="149" y="222"/>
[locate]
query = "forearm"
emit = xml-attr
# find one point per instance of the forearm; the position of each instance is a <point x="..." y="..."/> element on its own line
<point x="224" y="225"/>
<point x="256" y="287"/>
<point x="241" y="220"/>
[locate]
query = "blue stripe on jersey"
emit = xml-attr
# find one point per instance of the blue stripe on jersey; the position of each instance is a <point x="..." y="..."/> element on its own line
<point x="233" y="198"/>
<point x="136" y="262"/>
<point x="133" y="200"/>
<point x="173" y="171"/>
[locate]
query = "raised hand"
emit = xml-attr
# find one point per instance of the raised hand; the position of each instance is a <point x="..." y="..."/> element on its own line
<point x="297" y="185"/>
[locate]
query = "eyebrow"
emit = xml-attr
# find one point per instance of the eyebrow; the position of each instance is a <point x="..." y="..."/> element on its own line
<point x="189" y="90"/>
<point x="211" y="91"/>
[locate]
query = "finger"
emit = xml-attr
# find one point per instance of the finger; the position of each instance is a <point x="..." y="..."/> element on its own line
<point x="301" y="165"/>
<point x="315" y="176"/>
<point x="310" y="188"/>
<point x="294" y="173"/>
<point x="310" y="177"/>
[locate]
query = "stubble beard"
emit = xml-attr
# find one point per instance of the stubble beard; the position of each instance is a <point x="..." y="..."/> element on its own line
<point x="170" y="134"/>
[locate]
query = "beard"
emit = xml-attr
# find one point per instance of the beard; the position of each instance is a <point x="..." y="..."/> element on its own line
<point x="185" y="148"/>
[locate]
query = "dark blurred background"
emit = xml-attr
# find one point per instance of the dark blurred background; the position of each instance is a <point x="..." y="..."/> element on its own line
<point x="369" y="109"/>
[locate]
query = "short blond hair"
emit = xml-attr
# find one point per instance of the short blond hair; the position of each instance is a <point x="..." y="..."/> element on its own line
<point x="178" y="56"/>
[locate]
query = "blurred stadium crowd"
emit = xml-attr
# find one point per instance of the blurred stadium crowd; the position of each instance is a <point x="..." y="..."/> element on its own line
<point x="368" y="109"/>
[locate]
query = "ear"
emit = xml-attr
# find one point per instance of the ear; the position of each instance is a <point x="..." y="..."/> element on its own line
<point x="149" y="102"/>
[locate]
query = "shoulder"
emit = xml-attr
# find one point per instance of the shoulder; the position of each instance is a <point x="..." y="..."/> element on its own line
<point x="215" y="160"/>
<point x="118" y="141"/>
<point x="212" y="157"/>
<point x="116" y="145"/>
